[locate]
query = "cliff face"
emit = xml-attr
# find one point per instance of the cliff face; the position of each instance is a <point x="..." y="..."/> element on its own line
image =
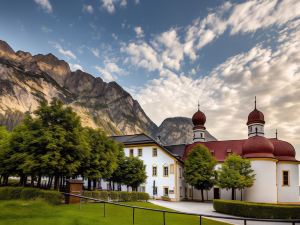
<point x="178" y="130"/>
<point x="26" y="80"/>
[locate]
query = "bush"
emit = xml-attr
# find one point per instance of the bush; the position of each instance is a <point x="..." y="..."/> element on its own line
<point x="8" y="193"/>
<point x="165" y="198"/>
<point x="257" y="210"/>
<point x="121" y="196"/>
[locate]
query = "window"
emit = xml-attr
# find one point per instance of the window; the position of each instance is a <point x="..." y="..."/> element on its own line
<point x="130" y="152"/>
<point x="285" y="178"/>
<point x="166" y="191"/>
<point x="166" y="171"/>
<point x="191" y="192"/>
<point x="142" y="189"/>
<point x="154" y="170"/>
<point x="172" y="169"/>
<point x="154" y="190"/>
<point x="154" y="152"/>
<point x="140" y="152"/>
<point x="212" y="152"/>
<point x="201" y="135"/>
<point x="229" y="151"/>
<point x="180" y="172"/>
<point x="180" y="191"/>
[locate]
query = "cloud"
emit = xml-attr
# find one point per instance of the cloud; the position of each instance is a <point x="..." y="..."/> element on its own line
<point x="227" y="93"/>
<point x="88" y="9"/>
<point x="46" y="29"/>
<point x="142" y="55"/>
<point x="75" y="67"/>
<point x="137" y="2"/>
<point x="45" y="5"/>
<point x="95" y="52"/>
<point x="110" y="5"/>
<point x="110" y="71"/>
<point x="61" y="50"/>
<point x="139" y="32"/>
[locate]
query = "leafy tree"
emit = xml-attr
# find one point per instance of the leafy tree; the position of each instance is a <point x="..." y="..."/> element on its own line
<point x="4" y="154"/>
<point x="102" y="159"/>
<point x="235" y="173"/>
<point x="132" y="171"/>
<point x="199" y="169"/>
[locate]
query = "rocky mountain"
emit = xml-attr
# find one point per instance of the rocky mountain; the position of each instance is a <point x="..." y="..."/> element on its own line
<point x="178" y="130"/>
<point x="26" y="80"/>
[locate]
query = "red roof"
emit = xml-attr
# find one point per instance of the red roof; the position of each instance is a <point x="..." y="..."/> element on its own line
<point x="220" y="149"/>
<point x="256" y="116"/>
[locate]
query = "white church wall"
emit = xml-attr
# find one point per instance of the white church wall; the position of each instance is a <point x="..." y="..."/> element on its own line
<point x="289" y="193"/>
<point x="264" y="188"/>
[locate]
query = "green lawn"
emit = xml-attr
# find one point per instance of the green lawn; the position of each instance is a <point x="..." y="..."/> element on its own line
<point x="37" y="212"/>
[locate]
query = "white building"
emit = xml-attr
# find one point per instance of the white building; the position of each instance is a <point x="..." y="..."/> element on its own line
<point x="273" y="162"/>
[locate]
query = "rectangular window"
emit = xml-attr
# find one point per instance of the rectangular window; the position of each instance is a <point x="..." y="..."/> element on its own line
<point x="166" y="171"/>
<point x="180" y="191"/>
<point x="154" y="170"/>
<point x="286" y="178"/>
<point x="166" y="191"/>
<point x="172" y="169"/>
<point x="180" y="172"/>
<point x="130" y="152"/>
<point x="154" y="152"/>
<point x="140" y="152"/>
<point x="155" y="190"/>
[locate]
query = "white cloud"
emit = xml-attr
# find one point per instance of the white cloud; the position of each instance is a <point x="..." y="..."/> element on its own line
<point x="75" y="67"/>
<point x="61" y="50"/>
<point x="95" y="52"/>
<point x="227" y="93"/>
<point x="46" y="29"/>
<point x="142" y="55"/>
<point x="88" y="9"/>
<point x="110" y="71"/>
<point x="123" y="3"/>
<point x="139" y="32"/>
<point x="109" y="5"/>
<point x="45" y="5"/>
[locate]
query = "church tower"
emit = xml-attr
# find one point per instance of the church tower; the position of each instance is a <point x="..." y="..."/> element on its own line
<point x="199" y="120"/>
<point x="256" y="122"/>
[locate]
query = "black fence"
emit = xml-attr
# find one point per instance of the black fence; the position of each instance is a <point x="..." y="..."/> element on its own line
<point x="201" y="216"/>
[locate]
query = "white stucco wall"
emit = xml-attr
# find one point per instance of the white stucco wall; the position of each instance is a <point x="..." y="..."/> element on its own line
<point x="173" y="181"/>
<point x="264" y="188"/>
<point x="288" y="193"/>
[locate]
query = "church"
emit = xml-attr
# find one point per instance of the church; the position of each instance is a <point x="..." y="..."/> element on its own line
<point x="273" y="162"/>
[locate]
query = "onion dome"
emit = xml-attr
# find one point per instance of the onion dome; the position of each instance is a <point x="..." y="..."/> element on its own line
<point x="256" y="116"/>
<point x="258" y="147"/>
<point x="283" y="150"/>
<point x="199" y="119"/>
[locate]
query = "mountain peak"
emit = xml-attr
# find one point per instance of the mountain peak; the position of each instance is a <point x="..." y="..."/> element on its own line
<point x="4" y="47"/>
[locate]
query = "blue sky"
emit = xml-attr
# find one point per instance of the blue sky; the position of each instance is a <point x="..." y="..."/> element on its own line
<point x="170" y="54"/>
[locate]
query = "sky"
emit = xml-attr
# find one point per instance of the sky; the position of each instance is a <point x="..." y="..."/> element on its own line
<point x="171" y="54"/>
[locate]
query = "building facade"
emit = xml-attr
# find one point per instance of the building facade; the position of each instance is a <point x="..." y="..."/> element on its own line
<point x="273" y="161"/>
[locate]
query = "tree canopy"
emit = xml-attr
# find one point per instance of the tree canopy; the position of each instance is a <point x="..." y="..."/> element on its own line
<point x="199" y="169"/>
<point x="235" y="173"/>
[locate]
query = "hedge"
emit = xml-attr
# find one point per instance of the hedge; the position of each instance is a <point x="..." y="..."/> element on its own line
<point x="257" y="210"/>
<point x="118" y="196"/>
<point x="9" y="193"/>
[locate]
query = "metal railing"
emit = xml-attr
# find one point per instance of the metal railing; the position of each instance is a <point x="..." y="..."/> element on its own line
<point x="164" y="212"/>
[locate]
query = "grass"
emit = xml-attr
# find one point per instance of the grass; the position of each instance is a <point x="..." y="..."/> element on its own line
<point x="36" y="212"/>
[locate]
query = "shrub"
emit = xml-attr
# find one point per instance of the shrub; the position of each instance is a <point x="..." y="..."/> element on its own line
<point x="257" y="210"/>
<point x="125" y="196"/>
<point x="142" y="196"/>
<point x="121" y="196"/>
<point x="8" y="193"/>
<point x="113" y="195"/>
<point x="165" y="198"/>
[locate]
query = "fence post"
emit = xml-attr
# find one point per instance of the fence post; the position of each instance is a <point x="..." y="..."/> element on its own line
<point x="245" y="222"/>
<point x="200" y="220"/>
<point x="133" y="215"/>
<point x="104" y="209"/>
<point x="164" y="216"/>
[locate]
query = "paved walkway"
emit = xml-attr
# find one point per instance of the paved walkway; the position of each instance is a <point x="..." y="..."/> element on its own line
<point x="205" y="208"/>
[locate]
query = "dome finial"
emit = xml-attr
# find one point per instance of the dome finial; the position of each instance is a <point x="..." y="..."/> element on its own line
<point x="276" y="134"/>
<point x="255" y="102"/>
<point x="198" y="105"/>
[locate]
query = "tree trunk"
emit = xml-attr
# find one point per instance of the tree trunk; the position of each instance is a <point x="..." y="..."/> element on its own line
<point x="94" y="184"/>
<point x="39" y="181"/>
<point x="241" y="194"/>
<point x="89" y="184"/>
<point x="56" y="182"/>
<point x="232" y="194"/>
<point x="32" y="181"/>
<point x="202" y="196"/>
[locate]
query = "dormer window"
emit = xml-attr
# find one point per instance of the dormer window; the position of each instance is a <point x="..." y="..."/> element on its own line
<point x="229" y="151"/>
<point x="212" y="152"/>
